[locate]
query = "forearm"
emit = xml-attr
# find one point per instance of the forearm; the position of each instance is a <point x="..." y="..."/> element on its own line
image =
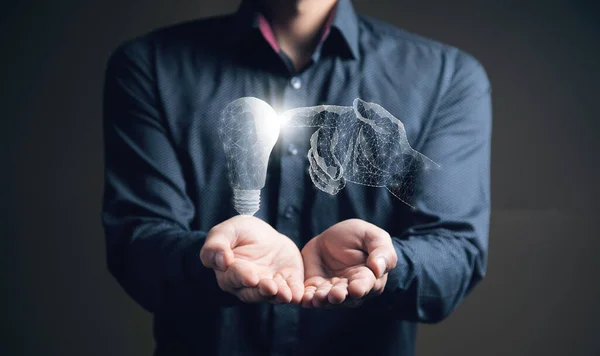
<point x="433" y="275"/>
<point x="158" y="264"/>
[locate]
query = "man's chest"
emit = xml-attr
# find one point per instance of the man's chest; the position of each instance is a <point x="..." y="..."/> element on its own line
<point x="194" y="98"/>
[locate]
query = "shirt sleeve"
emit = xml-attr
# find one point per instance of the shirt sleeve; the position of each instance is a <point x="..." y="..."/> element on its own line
<point x="151" y="250"/>
<point x="443" y="253"/>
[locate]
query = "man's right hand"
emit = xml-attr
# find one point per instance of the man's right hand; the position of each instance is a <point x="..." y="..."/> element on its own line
<point x="253" y="261"/>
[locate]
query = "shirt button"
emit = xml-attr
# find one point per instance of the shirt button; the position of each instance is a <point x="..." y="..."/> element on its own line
<point x="289" y="212"/>
<point x="292" y="150"/>
<point x="296" y="82"/>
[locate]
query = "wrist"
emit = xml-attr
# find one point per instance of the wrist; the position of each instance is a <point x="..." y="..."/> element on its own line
<point x="400" y="277"/>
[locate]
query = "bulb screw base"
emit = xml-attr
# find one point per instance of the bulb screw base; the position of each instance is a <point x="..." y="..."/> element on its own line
<point x="246" y="202"/>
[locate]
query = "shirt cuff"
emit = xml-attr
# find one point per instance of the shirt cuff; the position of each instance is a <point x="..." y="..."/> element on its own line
<point x="202" y="277"/>
<point x="399" y="278"/>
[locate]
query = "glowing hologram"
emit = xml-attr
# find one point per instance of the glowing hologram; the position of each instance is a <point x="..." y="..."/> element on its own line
<point x="362" y="144"/>
<point x="249" y="130"/>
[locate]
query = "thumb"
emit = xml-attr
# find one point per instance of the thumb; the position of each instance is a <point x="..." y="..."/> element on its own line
<point x="382" y="254"/>
<point x="217" y="250"/>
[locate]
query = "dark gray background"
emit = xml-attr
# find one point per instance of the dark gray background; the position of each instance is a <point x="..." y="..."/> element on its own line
<point x="541" y="295"/>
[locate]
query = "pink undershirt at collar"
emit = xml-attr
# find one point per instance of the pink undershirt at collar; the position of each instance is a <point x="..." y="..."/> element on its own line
<point x="267" y="31"/>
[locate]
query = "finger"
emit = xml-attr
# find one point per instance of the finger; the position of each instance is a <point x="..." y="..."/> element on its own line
<point x="358" y="288"/>
<point x="314" y="282"/>
<point x="216" y="252"/>
<point x="310" y="287"/>
<point x="249" y="295"/>
<point x="370" y="111"/>
<point x="309" y="293"/>
<point x="267" y="288"/>
<point x="382" y="254"/>
<point x="352" y="303"/>
<point x="379" y="286"/>
<point x="264" y="291"/>
<point x="284" y="293"/>
<point x="306" y="117"/>
<point x="321" y="294"/>
<point x="238" y="276"/>
<point x="338" y="292"/>
<point x="297" y="288"/>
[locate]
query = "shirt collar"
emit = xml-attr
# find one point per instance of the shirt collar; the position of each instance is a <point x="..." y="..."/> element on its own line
<point x="345" y="21"/>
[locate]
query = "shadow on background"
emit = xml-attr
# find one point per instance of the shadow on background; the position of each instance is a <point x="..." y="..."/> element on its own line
<point x="542" y="290"/>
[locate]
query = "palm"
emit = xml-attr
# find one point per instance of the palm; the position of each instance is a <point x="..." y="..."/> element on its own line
<point x="264" y="264"/>
<point x="334" y="272"/>
<point x="337" y="264"/>
<point x="329" y="258"/>
<point x="269" y="258"/>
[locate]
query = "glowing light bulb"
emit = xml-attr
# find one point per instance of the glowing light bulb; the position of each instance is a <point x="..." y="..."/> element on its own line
<point x="249" y="130"/>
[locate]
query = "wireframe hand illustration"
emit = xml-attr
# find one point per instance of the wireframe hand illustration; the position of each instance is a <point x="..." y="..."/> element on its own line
<point x="253" y="261"/>
<point x="350" y="259"/>
<point x="363" y="144"/>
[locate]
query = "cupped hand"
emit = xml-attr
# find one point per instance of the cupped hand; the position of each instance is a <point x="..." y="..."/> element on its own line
<point x="346" y="264"/>
<point x="253" y="261"/>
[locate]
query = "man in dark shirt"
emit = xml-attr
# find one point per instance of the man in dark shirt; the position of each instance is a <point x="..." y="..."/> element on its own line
<point x="312" y="273"/>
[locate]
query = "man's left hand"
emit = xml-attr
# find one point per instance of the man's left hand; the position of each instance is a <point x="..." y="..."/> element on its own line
<point x="346" y="264"/>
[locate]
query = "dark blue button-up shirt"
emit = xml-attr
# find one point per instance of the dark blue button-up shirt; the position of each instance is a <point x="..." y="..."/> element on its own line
<point x="166" y="179"/>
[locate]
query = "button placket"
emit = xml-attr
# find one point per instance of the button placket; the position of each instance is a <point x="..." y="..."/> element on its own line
<point x="290" y="199"/>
